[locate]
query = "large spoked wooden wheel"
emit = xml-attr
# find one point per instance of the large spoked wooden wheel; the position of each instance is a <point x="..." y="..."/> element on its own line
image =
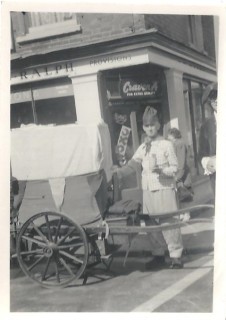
<point x="52" y="249"/>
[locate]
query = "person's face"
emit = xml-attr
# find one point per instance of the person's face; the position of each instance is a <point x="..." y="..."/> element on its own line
<point x="151" y="130"/>
<point x="213" y="104"/>
<point x="171" y="138"/>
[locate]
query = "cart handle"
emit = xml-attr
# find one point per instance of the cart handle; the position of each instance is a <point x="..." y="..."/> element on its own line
<point x="180" y="211"/>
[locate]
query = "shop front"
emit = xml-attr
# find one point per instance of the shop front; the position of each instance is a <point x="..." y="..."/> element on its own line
<point x="116" y="88"/>
<point x="176" y="97"/>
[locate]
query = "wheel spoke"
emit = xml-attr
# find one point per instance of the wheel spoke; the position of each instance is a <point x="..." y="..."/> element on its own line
<point x="24" y="253"/>
<point x="52" y="249"/>
<point x="46" y="269"/>
<point x="58" y="229"/>
<point x="67" y="235"/>
<point x="68" y="246"/>
<point x="40" y="233"/>
<point x="48" y="227"/>
<point x="41" y="244"/>
<point x="68" y="255"/>
<point x="66" y="266"/>
<point x="35" y="263"/>
<point x="57" y="270"/>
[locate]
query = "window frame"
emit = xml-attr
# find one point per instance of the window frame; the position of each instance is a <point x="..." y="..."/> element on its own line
<point x="202" y="83"/>
<point x="32" y="88"/>
<point x="48" y="30"/>
<point x="195" y="32"/>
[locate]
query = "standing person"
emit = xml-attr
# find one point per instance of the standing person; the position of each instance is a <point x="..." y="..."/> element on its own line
<point x="159" y="163"/>
<point x="183" y="175"/>
<point x="207" y="138"/>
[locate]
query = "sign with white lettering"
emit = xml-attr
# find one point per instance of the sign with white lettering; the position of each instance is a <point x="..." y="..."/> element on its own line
<point x="130" y="88"/>
<point x="123" y="140"/>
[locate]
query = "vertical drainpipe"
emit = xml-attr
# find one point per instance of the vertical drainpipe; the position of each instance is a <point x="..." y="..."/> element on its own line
<point x="216" y="36"/>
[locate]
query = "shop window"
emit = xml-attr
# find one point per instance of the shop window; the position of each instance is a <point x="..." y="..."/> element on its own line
<point x="51" y="111"/>
<point x="41" y="25"/>
<point x="21" y="113"/>
<point x="43" y="106"/>
<point x="195" y="115"/>
<point x="195" y="32"/>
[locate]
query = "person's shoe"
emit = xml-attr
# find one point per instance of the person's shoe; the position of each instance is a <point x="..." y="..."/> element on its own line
<point x="157" y="263"/>
<point x="176" y="263"/>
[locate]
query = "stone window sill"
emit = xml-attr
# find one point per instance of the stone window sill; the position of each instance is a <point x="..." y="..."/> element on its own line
<point x="49" y="30"/>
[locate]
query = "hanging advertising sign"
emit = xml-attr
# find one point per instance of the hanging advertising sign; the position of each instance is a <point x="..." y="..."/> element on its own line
<point x="122" y="143"/>
<point x="131" y="88"/>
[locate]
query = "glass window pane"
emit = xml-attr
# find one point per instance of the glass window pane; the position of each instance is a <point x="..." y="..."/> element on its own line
<point x="21" y="114"/>
<point x="191" y="157"/>
<point x="21" y="108"/>
<point x="190" y="129"/>
<point x="195" y="115"/>
<point x="58" y="111"/>
<point x="196" y="92"/>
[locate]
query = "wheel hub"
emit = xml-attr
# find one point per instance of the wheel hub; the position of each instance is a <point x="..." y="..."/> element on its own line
<point x="50" y="249"/>
<point x="48" y="252"/>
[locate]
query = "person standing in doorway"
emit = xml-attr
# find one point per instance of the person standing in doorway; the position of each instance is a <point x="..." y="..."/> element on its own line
<point x="159" y="166"/>
<point x="183" y="175"/>
<point x="208" y="134"/>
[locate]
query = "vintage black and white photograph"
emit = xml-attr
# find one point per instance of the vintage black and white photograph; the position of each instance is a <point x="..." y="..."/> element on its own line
<point x="113" y="135"/>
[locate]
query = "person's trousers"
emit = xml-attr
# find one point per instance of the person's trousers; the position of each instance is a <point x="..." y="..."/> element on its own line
<point x="163" y="201"/>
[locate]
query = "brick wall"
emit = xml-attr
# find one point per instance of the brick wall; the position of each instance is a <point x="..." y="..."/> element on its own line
<point x="97" y="27"/>
<point x="176" y="27"/>
<point x="94" y="27"/>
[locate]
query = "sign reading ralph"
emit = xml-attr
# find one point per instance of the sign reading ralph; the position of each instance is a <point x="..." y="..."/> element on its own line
<point x="134" y="88"/>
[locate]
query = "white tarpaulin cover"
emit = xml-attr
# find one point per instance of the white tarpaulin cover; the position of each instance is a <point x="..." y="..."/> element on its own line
<point x="48" y="152"/>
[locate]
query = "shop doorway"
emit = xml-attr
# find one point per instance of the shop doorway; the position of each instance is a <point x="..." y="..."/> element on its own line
<point x="126" y="93"/>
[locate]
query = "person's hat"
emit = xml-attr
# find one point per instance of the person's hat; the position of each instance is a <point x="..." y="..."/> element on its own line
<point x="150" y="116"/>
<point x="210" y="92"/>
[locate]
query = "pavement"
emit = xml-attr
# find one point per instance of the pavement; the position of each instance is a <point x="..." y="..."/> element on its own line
<point x="123" y="289"/>
<point x="132" y="288"/>
<point x="199" y="237"/>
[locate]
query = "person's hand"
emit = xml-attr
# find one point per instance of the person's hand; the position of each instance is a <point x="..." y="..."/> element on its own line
<point x="114" y="169"/>
<point x="211" y="165"/>
<point x="157" y="169"/>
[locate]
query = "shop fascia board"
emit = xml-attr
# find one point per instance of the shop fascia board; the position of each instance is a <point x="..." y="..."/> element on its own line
<point x="155" y="57"/>
<point x="87" y="66"/>
<point x="182" y="57"/>
<point x="165" y="61"/>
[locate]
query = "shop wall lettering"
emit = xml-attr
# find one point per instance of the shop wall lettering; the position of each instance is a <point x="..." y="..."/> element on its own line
<point x="20" y="96"/>
<point x="109" y="60"/>
<point x="46" y="71"/>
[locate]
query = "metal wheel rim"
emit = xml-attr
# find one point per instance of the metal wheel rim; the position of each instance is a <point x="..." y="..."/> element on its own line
<point x="54" y="249"/>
